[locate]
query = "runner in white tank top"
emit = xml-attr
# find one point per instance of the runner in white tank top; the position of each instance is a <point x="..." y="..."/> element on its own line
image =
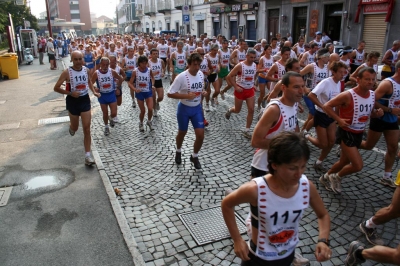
<point x="276" y="207"/>
<point x="242" y="79"/>
<point x="157" y="67"/>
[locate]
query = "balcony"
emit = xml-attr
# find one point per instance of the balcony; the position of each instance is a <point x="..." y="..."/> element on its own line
<point x="149" y="10"/>
<point x="139" y="10"/>
<point x="180" y="3"/>
<point x="164" y="6"/>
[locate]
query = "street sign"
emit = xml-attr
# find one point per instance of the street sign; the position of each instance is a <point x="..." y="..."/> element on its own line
<point x="186" y="19"/>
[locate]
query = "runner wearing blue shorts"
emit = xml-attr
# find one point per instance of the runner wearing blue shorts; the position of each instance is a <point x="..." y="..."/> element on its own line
<point x="142" y="83"/>
<point x="104" y="78"/>
<point x="189" y="87"/>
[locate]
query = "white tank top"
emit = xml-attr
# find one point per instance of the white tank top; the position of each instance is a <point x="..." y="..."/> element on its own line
<point x="319" y="75"/>
<point x="130" y="64"/>
<point x="192" y="47"/>
<point x="279" y="220"/>
<point x="180" y="61"/>
<point x="300" y="50"/>
<point x="118" y="70"/>
<point x="162" y="49"/>
<point x="79" y="80"/>
<point x="172" y="49"/>
<point x="156" y="68"/>
<point x="394" y="100"/>
<point x="105" y="81"/>
<point x="310" y="58"/>
<point x="287" y="122"/>
<point x="224" y="57"/>
<point x="275" y="51"/>
<point x="347" y="63"/>
<point x="362" y="110"/>
<point x="115" y="53"/>
<point x="359" y="57"/>
<point x="214" y="62"/>
<point x="281" y="69"/>
<point x="143" y="80"/>
<point x="246" y="78"/>
<point x="319" y="43"/>
<point x="195" y="84"/>
<point x="267" y="64"/>
<point x="204" y="66"/>
<point x="375" y="67"/>
<point x="241" y="55"/>
<point x="206" y="48"/>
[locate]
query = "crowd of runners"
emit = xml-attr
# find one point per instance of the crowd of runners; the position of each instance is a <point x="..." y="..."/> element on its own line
<point x="339" y="91"/>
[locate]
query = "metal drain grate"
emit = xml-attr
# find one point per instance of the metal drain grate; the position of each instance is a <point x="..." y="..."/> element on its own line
<point x="5" y="193"/>
<point x="54" y="120"/>
<point x="207" y="226"/>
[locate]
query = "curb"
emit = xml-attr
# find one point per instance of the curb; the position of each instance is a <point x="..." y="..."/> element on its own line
<point x="119" y="214"/>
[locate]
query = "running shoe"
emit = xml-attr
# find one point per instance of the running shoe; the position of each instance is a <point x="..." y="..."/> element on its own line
<point x="107" y="131"/>
<point x="116" y="120"/>
<point x="228" y="114"/>
<point x="324" y="180"/>
<point x="89" y="160"/>
<point x="205" y="122"/>
<point x="388" y="181"/>
<point x="158" y="106"/>
<point x="222" y="95"/>
<point x="133" y="104"/>
<point x="300" y="260"/>
<point x="71" y="132"/>
<point x="336" y="183"/>
<point x="207" y="109"/>
<point x="247" y="134"/>
<point x="216" y="101"/>
<point x="178" y="157"/>
<point x="141" y="127"/>
<point x="212" y="102"/>
<point x="195" y="161"/>
<point x="371" y="235"/>
<point x="112" y="124"/>
<point x="352" y="257"/>
<point x="155" y="114"/>
<point x="306" y="134"/>
<point x="149" y="124"/>
<point x="319" y="167"/>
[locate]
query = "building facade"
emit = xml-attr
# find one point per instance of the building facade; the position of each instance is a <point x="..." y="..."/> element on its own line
<point x="74" y="11"/>
<point x="346" y="22"/>
<point x="126" y="16"/>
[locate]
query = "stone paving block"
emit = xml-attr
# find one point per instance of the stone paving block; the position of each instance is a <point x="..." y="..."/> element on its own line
<point x="151" y="211"/>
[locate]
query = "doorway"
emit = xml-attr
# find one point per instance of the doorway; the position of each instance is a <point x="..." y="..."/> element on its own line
<point x="216" y="28"/>
<point x="233" y="29"/>
<point x="251" y="30"/>
<point x="200" y="27"/>
<point x="299" y="22"/>
<point x="273" y="23"/>
<point x="333" y="21"/>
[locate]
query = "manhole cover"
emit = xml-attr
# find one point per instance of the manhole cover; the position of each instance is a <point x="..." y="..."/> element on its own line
<point x="5" y="193"/>
<point x="54" y="120"/>
<point x="207" y="226"/>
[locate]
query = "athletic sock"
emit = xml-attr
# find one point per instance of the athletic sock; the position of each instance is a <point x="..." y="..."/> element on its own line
<point x="370" y="224"/>
<point x="194" y="155"/>
<point x="87" y="153"/>
<point x="387" y="175"/>
<point x="178" y="150"/>
<point x="318" y="162"/>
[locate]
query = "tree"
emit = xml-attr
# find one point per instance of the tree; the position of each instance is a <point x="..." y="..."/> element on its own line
<point x="18" y="13"/>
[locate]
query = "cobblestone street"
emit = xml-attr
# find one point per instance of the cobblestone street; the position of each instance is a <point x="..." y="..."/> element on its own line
<point x="155" y="190"/>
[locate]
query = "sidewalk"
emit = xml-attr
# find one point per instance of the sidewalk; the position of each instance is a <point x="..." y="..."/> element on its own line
<point x="59" y="211"/>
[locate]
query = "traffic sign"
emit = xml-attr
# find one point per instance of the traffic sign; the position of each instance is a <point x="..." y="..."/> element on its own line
<point x="186" y="19"/>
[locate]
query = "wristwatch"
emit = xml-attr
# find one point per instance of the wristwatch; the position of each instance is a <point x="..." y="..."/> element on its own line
<point x="389" y="110"/>
<point x="324" y="240"/>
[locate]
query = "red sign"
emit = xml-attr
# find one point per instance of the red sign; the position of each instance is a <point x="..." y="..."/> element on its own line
<point x="313" y="23"/>
<point x="369" y="2"/>
<point x="378" y="8"/>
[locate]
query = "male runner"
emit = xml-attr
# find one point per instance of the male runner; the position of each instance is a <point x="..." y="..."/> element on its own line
<point x="78" y="101"/>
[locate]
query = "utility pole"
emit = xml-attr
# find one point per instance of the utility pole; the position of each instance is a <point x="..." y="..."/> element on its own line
<point x="48" y="19"/>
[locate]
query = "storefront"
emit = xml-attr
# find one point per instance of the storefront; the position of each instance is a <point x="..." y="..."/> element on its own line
<point x="376" y="15"/>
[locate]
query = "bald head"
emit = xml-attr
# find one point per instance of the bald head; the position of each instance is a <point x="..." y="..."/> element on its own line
<point x="199" y="50"/>
<point x="334" y="57"/>
<point x="287" y="44"/>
